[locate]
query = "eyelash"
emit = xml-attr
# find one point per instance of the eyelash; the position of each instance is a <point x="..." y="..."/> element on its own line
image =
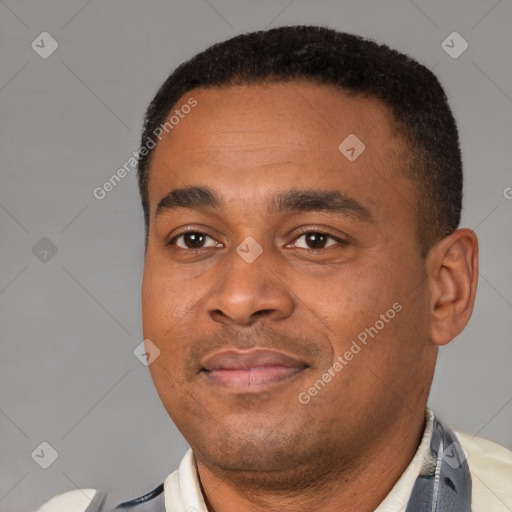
<point x="339" y="241"/>
<point x="194" y="232"/>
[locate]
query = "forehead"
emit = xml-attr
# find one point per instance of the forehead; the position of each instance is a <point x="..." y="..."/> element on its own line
<point x="248" y="137"/>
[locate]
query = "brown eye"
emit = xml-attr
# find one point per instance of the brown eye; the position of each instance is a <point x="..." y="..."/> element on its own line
<point x="193" y="240"/>
<point x="315" y="240"/>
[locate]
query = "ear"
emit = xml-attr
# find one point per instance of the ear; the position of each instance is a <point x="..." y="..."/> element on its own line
<point x="452" y="266"/>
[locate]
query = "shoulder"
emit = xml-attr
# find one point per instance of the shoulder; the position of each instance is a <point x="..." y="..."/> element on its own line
<point x="490" y="465"/>
<point x="89" y="500"/>
<point x="71" y="501"/>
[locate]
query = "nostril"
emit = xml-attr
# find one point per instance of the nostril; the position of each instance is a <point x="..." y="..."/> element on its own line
<point x="262" y="312"/>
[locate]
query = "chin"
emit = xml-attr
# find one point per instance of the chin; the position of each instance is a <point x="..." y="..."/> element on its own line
<point x="249" y="444"/>
<point x="270" y="462"/>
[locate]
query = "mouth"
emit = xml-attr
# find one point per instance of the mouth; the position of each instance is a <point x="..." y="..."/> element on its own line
<point x="252" y="371"/>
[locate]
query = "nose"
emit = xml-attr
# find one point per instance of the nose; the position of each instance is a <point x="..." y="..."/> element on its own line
<point x="249" y="292"/>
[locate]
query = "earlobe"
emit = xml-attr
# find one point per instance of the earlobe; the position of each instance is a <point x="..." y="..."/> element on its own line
<point x="452" y="266"/>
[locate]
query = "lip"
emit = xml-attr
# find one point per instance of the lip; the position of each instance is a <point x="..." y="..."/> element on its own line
<point x="250" y="371"/>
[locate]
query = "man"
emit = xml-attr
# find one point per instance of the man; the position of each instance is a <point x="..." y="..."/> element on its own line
<point x="302" y="193"/>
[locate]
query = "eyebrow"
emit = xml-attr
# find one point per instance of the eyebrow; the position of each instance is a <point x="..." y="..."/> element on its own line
<point x="189" y="197"/>
<point x="294" y="200"/>
<point x="330" y="201"/>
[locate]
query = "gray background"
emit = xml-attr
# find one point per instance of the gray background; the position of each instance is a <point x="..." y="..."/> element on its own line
<point x="69" y="325"/>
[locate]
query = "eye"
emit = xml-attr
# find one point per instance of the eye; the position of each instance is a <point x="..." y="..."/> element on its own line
<point x="316" y="240"/>
<point x="193" y="240"/>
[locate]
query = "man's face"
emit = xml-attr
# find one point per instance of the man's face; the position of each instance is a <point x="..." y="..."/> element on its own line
<point x="257" y="285"/>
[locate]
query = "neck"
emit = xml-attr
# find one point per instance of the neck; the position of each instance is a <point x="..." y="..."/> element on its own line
<point x="344" y="486"/>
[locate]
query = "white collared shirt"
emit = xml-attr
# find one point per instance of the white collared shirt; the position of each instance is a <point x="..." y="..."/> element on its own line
<point x="490" y="466"/>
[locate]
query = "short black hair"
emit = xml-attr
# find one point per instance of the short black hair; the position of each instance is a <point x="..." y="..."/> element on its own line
<point x="412" y="93"/>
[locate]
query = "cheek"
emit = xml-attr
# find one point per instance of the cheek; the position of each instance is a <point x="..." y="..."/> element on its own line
<point x="164" y="316"/>
<point x="170" y="306"/>
<point x="358" y="295"/>
<point x="355" y="300"/>
<point x="164" y="302"/>
<point x="155" y="297"/>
